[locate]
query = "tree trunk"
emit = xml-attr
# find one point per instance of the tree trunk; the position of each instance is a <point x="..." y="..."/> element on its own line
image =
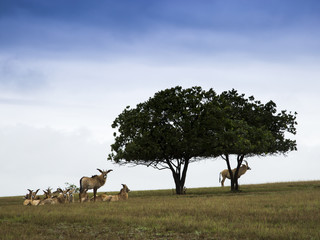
<point x="236" y="185"/>
<point x="179" y="186"/>
<point x="233" y="177"/>
<point x="179" y="179"/>
<point x="239" y="162"/>
<point x="230" y="171"/>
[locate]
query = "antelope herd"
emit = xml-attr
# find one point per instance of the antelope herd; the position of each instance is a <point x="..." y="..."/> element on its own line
<point x="95" y="182"/>
<point x="61" y="196"/>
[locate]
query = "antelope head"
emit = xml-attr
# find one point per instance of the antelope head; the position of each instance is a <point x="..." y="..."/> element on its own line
<point x="125" y="188"/>
<point x="248" y="168"/>
<point x="33" y="194"/>
<point x="104" y="173"/>
<point x="48" y="193"/>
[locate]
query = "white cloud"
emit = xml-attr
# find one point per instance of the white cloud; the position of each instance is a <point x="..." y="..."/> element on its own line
<point x="63" y="132"/>
<point x="42" y="157"/>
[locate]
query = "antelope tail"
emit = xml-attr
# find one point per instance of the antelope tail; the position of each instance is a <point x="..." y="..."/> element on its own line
<point x="220" y="177"/>
<point x="81" y="189"/>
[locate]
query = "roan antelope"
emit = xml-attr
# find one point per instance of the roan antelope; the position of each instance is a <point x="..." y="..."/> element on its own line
<point x="31" y="198"/>
<point x="225" y="173"/>
<point x="47" y="193"/>
<point x="122" y="195"/>
<point x="61" y="198"/>
<point x="94" y="183"/>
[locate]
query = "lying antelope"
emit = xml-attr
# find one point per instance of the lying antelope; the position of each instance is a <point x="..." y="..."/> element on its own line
<point x="31" y="198"/>
<point x="94" y="183"/>
<point x="47" y="193"/>
<point x="225" y="173"/>
<point x="101" y="198"/>
<point x="27" y="198"/>
<point x="122" y="195"/>
<point x="70" y="196"/>
<point x="61" y="198"/>
<point x="84" y="197"/>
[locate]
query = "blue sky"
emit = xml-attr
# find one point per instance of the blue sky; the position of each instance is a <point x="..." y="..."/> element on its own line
<point x="131" y="28"/>
<point x="68" y="68"/>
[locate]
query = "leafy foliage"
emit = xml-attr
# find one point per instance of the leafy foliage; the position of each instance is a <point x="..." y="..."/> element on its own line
<point x="178" y="126"/>
<point x="164" y="132"/>
<point x="251" y="128"/>
<point x="72" y="187"/>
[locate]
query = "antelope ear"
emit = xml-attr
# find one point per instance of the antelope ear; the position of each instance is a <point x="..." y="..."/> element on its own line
<point x="109" y="170"/>
<point x="99" y="170"/>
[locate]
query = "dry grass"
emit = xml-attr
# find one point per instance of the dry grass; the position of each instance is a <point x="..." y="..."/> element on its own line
<point x="269" y="211"/>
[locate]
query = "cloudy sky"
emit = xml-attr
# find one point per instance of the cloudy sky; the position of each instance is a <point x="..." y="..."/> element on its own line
<point x="68" y="68"/>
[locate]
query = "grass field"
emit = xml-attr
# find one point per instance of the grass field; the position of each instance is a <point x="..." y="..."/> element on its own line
<point x="267" y="211"/>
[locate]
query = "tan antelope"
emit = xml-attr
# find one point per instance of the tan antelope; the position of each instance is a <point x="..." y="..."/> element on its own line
<point x="94" y="182"/>
<point x="47" y="193"/>
<point x="101" y="198"/>
<point x="70" y="196"/>
<point x="27" y="198"/>
<point x="84" y="197"/>
<point x="225" y="173"/>
<point x="61" y="198"/>
<point x="122" y="195"/>
<point x="31" y="198"/>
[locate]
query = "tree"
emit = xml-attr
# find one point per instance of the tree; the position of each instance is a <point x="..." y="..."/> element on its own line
<point x="165" y="132"/>
<point x="249" y="128"/>
<point x="72" y="187"/>
<point x="179" y="126"/>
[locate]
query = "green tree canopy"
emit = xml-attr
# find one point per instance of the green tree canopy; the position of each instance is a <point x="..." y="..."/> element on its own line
<point x="250" y="128"/>
<point x="178" y="126"/>
<point x="164" y="132"/>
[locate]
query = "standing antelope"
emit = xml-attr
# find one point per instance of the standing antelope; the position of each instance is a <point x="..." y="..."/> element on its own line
<point x="94" y="183"/>
<point x="225" y="173"/>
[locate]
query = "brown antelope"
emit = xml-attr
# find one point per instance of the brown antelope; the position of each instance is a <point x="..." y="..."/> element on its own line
<point x="27" y="198"/>
<point x="31" y="198"/>
<point x="61" y="198"/>
<point x="101" y="198"/>
<point x="47" y="193"/>
<point x="93" y="182"/>
<point x="70" y="196"/>
<point x="84" y="197"/>
<point x="225" y="173"/>
<point x="122" y="195"/>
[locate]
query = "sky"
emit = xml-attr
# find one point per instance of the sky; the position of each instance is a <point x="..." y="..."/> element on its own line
<point x="69" y="68"/>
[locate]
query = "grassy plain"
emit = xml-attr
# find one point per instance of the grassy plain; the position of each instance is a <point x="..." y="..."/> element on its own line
<point x="267" y="211"/>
